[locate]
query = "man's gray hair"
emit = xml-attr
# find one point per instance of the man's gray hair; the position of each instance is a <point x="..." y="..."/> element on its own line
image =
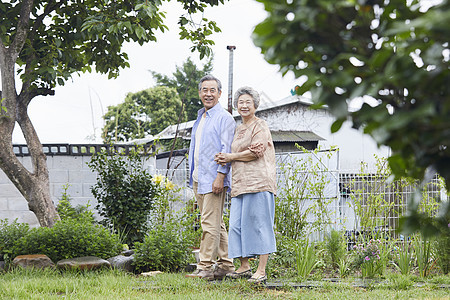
<point x="208" y="78"/>
<point x="246" y="90"/>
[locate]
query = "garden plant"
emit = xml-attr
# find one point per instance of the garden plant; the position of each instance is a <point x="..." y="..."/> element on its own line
<point x="381" y="263"/>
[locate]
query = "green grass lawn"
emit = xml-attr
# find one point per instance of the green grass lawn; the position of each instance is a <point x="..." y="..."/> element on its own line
<point x="26" y="284"/>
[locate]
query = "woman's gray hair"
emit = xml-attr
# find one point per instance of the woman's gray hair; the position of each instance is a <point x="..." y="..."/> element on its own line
<point x="208" y="78"/>
<point x="246" y="90"/>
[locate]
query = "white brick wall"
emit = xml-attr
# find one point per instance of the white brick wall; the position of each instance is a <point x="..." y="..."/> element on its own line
<point x="63" y="170"/>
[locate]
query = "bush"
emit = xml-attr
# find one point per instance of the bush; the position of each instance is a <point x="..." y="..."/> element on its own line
<point x="9" y="235"/>
<point x="163" y="249"/>
<point x="442" y="251"/>
<point x="125" y="192"/>
<point x="67" y="211"/>
<point x="280" y="263"/>
<point x="68" y="239"/>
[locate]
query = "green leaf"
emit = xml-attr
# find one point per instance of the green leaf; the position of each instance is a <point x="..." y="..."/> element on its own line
<point x="337" y="125"/>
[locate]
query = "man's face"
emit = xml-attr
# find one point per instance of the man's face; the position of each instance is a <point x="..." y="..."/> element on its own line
<point x="209" y="94"/>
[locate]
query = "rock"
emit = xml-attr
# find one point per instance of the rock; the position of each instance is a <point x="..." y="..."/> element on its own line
<point x="122" y="262"/>
<point x="190" y="268"/>
<point x="39" y="261"/>
<point x="2" y="266"/>
<point x="152" y="273"/>
<point x="127" y="252"/>
<point x="83" y="263"/>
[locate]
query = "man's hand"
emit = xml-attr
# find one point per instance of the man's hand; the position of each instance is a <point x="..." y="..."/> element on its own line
<point x="217" y="186"/>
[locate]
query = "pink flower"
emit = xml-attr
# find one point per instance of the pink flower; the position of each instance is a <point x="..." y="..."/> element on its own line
<point x="367" y="258"/>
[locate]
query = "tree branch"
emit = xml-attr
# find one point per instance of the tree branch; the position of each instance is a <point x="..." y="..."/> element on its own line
<point x="51" y="6"/>
<point x="25" y="96"/>
<point x="22" y="28"/>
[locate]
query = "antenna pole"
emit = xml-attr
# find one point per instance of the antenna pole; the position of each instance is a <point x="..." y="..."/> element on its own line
<point x="230" y="78"/>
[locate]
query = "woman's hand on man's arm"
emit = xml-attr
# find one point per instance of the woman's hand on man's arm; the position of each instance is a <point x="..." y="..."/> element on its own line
<point x="224" y="158"/>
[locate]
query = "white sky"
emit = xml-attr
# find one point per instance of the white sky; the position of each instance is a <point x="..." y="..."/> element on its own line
<point x="74" y="114"/>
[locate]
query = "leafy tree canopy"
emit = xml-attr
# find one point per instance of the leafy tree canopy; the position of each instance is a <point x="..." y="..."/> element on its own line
<point x="185" y="80"/>
<point x="64" y="37"/>
<point x="49" y="40"/>
<point x="394" y="53"/>
<point x="142" y="113"/>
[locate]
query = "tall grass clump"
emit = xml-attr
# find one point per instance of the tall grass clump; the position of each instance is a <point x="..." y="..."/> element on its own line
<point x="307" y="258"/>
<point x="336" y="247"/>
<point x="403" y="259"/>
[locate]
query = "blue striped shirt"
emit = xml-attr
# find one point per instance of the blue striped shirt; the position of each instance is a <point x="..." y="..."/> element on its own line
<point x="217" y="136"/>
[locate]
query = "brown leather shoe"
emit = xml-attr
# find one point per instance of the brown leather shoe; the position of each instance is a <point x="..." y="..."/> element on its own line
<point x="220" y="273"/>
<point x="203" y="274"/>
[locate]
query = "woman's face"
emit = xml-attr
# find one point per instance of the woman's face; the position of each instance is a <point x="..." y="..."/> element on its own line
<point x="246" y="106"/>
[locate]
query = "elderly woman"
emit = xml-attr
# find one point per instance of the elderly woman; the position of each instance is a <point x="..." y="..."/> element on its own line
<point x="253" y="189"/>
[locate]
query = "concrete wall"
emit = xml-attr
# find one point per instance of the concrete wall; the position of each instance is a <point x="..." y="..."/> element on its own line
<point x="63" y="169"/>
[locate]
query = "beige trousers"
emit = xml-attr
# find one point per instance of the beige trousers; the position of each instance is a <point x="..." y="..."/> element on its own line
<point x="214" y="241"/>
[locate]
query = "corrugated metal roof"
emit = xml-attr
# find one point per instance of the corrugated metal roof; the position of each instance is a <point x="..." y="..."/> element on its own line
<point x="295" y="136"/>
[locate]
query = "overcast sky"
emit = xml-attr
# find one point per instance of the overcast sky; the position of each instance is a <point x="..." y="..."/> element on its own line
<point x="74" y="114"/>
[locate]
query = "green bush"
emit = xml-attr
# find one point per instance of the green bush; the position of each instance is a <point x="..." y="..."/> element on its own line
<point x="163" y="249"/>
<point x="281" y="262"/>
<point x="10" y="233"/>
<point x="442" y="251"/>
<point x="125" y="192"/>
<point x="68" y="239"/>
<point x="67" y="211"/>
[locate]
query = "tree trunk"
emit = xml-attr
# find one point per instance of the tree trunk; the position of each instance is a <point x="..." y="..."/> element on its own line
<point x="33" y="184"/>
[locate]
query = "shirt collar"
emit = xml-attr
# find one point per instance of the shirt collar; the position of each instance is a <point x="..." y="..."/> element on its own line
<point x="210" y="112"/>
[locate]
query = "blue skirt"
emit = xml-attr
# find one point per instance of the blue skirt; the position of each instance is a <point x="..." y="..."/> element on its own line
<point x="251" y="225"/>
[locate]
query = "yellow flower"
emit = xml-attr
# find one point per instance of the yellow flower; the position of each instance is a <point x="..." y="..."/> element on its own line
<point x="158" y="179"/>
<point x="169" y="185"/>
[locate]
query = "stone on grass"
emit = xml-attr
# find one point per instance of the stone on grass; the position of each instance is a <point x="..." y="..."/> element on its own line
<point x="2" y="265"/>
<point x="38" y="261"/>
<point x="152" y="273"/>
<point x="190" y="268"/>
<point x="127" y="252"/>
<point x="122" y="262"/>
<point x="83" y="263"/>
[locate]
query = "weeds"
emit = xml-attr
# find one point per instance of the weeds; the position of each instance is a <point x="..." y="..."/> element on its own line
<point x="306" y="259"/>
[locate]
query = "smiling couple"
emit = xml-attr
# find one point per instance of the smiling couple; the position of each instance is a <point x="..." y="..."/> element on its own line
<point x="216" y="147"/>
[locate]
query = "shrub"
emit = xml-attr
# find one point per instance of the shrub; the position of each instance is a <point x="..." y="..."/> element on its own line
<point x="68" y="239"/>
<point x="163" y="249"/>
<point x="10" y="233"/>
<point x="442" y="251"/>
<point x="67" y="211"/>
<point x="125" y="192"/>
<point x="281" y="262"/>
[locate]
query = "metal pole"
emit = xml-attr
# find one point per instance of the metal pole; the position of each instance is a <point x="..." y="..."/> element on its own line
<point x="230" y="79"/>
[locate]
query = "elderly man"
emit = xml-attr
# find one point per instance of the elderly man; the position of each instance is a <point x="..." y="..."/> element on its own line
<point x="212" y="132"/>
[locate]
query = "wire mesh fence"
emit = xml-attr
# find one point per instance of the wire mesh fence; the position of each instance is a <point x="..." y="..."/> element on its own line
<point x="315" y="195"/>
